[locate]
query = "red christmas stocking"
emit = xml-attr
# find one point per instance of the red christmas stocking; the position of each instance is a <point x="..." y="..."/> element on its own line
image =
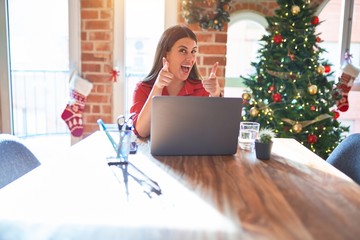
<point x="79" y="89"/>
<point x="349" y="73"/>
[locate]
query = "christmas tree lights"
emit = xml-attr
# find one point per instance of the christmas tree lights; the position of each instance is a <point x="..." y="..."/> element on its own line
<point x="291" y="91"/>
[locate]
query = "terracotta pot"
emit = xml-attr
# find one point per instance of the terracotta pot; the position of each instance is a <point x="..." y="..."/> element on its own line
<point x="263" y="150"/>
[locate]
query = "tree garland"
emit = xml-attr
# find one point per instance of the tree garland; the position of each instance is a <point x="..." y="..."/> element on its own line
<point x="203" y="12"/>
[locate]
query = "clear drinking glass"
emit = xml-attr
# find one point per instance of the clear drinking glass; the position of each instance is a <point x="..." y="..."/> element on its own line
<point x="248" y="134"/>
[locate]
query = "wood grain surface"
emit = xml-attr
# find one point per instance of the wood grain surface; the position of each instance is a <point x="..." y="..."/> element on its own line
<point x="294" y="195"/>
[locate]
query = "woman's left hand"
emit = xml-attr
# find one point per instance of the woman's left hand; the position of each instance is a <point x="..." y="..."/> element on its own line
<point x="211" y="84"/>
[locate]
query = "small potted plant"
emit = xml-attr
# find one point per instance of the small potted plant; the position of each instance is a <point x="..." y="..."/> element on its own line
<point x="264" y="143"/>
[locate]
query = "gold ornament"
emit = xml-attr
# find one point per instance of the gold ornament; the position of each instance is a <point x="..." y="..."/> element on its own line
<point x="308" y="122"/>
<point x="246" y="96"/>
<point x="297" y="128"/>
<point x="254" y="112"/>
<point x="312" y="89"/>
<point x="320" y="69"/>
<point x="295" y="9"/>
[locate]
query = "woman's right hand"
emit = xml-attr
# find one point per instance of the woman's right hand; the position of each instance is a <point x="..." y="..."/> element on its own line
<point x="165" y="76"/>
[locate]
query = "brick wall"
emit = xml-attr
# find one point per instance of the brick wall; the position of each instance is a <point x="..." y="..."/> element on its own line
<point x="97" y="59"/>
<point x="97" y="48"/>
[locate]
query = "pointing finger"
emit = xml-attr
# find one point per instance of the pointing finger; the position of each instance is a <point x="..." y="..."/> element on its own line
<point x="213" y="70"/>
<point x="165" y="64"/>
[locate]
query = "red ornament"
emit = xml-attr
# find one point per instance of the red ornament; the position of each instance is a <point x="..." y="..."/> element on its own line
<point x="271" y="88"/>
<point x="318" y="39"/>
<point x="312" y="108"/>
<point x="278" y="39"/>
<point x="312" y="138"/>
<point x="327" y="68"/>
<point x="114" y="75"/>
<point x="226" y="7"/>
<point x="336" y="115"/>
<point x="276" y="97"/>
<point x="315" y="20"/>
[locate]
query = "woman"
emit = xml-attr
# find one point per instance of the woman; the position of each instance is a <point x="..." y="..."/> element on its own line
<point x="174" y="73"/>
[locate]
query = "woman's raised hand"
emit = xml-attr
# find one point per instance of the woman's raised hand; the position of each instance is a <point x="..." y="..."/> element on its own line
<point x="211" y="84"/>
<point x="165" y="76"/>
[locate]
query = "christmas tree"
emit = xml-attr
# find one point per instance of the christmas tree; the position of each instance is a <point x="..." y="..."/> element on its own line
<point x="291" y="90"/>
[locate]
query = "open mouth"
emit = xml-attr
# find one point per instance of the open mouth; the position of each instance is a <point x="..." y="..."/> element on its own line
<point x="185" y="68"/>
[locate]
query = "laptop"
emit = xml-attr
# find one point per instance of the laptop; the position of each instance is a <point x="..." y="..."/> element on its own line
<point x="189" y="125"/>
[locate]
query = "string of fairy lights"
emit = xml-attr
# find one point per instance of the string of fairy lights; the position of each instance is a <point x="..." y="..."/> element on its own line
<point x="305" y="38"/>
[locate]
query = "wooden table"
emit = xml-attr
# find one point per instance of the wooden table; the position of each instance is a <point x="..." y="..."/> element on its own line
<point x="294" y="195"/>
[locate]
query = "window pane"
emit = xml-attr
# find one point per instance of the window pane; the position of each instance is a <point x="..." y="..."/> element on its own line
<point x="329" y="31"/>
<point x="243" y="43"/>
<point x="242" y="46"/>
<point x="39" y="34"/>
<point x="39" y="56"/>
<point x="141" y="38"/>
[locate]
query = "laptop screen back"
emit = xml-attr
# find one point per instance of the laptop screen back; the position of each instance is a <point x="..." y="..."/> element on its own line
<point x="186" y="125"/>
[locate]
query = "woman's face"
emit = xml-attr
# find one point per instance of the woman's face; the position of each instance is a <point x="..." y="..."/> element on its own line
<point x="181" y="58"/>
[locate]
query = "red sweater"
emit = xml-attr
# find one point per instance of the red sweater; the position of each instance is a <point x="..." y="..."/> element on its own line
<point x="143" y="89"/>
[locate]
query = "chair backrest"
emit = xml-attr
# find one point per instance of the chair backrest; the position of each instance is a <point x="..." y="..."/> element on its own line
<point x="15" y="159"/>
<point x="346" y="157"/>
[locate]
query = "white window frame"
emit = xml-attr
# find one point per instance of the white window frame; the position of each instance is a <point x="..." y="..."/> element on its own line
<point x="6" y="121"/>
<point x="345" y="27"/>
<point x="347" y="8"/>
<point x="74" y="35"/>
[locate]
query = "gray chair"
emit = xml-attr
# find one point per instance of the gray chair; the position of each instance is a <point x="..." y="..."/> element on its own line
<point x="15" y="159"/>
<point x="346" y="157"/>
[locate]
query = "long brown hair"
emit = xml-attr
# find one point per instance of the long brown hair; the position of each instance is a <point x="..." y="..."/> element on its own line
<point x="166" y="42"/>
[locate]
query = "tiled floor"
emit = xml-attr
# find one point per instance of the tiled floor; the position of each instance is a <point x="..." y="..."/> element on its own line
<point x="48" y="147"/>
